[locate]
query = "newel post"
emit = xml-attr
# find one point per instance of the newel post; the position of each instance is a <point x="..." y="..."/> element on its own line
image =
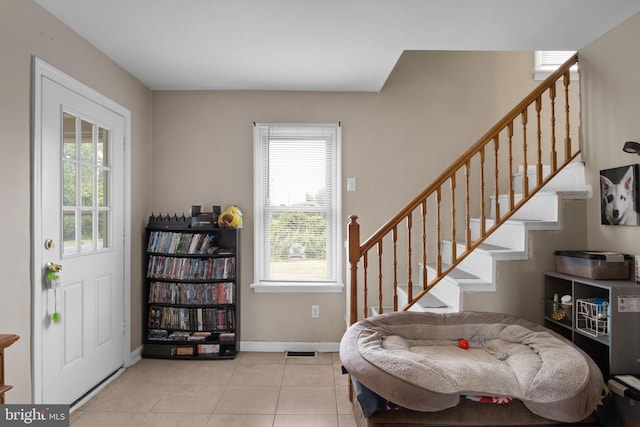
<point x="353" y="236"/>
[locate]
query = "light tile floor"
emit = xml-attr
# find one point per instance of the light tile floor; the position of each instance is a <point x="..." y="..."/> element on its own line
<point x="254" y="389"/>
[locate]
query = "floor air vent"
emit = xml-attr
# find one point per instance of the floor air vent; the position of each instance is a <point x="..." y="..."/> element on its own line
<point x="301" y="354"/>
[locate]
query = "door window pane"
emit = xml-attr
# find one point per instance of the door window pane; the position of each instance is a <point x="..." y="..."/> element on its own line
<point x="86" y="231"/>
<point x="69" y="136"/>
<point x="103" y="235"/>
<point x="87" y="186"/>
<point x="86" y="129"/>
<point x="69" y="232"/>
<point x="103" y="181"/>
<point x="69" y="184"/>
<point x="102" y="149"/>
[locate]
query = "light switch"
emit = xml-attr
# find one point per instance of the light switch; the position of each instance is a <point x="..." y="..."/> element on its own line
<point x="351" y="184"/>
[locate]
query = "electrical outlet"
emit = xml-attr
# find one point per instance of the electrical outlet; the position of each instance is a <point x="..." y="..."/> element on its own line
<point x="315" y="311"/>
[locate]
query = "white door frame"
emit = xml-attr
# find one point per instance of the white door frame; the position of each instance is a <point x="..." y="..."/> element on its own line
<point x="40" y="70"/>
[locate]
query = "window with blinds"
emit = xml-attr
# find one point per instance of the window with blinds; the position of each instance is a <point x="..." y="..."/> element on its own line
<point x="547" y="61"/>
<point x="297" y="204"/>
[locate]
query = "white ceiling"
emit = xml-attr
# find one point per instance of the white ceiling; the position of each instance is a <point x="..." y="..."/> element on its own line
<point x="318" y="45"/>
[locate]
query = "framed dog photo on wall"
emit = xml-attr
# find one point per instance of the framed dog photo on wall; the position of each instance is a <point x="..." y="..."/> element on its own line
<point x="619" y="196"/>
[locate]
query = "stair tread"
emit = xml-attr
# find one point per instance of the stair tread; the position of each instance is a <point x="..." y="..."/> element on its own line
<point x="551" y="192"/>
<point x="428" y="300"/>
<point x="488" y="247"/>
<point x="456" y="273"/>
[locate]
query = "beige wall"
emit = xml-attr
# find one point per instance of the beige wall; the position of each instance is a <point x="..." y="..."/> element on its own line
<point x="434" y="105"/>
<point x="26" y="30"/>
<point x="432" y="108"/>
<point x="611" y="116"/>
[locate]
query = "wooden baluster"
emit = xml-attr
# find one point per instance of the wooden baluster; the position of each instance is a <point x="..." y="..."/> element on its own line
<point x="438" y="233"/>
<point x="454" y="247"/>
<point x="525" y="178"/>
<point x="394" y="236"/>
<point x="496" y="193"/>
<point x="424" y="243"/>
<point x="511" y="177"/>
<point x="365" y="285"/>
<point x="467" y="234"/>
<point x="353" y="233"/>
<point x="409" y="254"/>
<point x="554" y="153"/>
<point x="567" y="79"/>
<point x="539" y="134"/>
<point x="483" y="216"/>
<point x="380" y="277"/>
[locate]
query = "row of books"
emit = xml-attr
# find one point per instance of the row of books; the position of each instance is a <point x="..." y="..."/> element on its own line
<point x="192" y="319"/>
<point x="192" y="293"/>
<point x="172" y="242"/>
<point x="191" y="268"/>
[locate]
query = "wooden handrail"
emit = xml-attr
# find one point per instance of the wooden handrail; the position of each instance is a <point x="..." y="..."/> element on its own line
<point x="490" y="141"/>
<point x="503" y="123"/>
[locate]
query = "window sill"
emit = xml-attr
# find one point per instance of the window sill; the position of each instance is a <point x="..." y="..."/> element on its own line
<point x="298" y="288"/>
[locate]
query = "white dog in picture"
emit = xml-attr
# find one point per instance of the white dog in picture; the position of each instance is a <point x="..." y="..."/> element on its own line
<point x="618" y="200"/>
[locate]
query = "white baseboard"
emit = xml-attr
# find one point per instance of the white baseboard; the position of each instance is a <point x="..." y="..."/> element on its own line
<point x="135" y="356"/>
<point x="275" y="347"/>
<point x="266" y="346"/>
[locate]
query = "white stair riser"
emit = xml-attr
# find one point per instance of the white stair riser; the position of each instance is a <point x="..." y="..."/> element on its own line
<point x="480" y="263"/>
<point x="448" y="292"/>
<point x="541" y="207"/>
<point x="510" y="235"/>
<point x="570" y="178"/>
<point x="450" y="296"/>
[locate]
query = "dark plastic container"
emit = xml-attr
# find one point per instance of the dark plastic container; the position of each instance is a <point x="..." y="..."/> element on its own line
<point x="626" y="400"/>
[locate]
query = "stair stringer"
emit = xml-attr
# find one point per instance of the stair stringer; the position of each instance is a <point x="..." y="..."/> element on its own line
<point x="483" y="282"/>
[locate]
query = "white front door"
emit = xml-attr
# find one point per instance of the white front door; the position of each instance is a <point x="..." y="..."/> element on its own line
<point x="79" y="220"/>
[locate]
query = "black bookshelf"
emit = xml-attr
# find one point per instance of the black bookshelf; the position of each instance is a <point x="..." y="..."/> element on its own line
<point x="192" y="290"/>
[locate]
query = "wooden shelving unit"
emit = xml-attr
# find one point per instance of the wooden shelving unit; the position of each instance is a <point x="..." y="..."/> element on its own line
<point x="5" y="341"/>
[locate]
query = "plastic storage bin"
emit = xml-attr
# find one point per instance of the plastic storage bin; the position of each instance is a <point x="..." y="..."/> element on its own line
<point x="594" y="265"/>
<point x="626" y="390"/>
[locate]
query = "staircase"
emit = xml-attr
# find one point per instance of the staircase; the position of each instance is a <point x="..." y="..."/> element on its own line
<point x="445" y="249"/>
<point x="479" y="272"/>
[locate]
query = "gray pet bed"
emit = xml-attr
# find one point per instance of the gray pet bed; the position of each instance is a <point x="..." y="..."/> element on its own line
<point x="413" y="360"/>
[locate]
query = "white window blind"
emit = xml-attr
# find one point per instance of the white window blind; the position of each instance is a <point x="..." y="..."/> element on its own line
<point x="547" y="61"/>
<point x="297" y="204"/>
